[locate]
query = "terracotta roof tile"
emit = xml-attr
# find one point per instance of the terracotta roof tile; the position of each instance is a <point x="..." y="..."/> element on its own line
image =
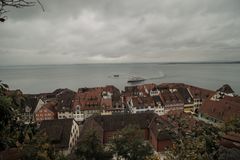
<point x="223" y="110"/>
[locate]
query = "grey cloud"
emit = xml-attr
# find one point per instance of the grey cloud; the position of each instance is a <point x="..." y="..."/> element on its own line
<point x="80" y="31"/>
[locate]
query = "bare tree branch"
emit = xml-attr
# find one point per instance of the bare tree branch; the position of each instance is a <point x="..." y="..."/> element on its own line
<point x="16" y="4"/>
<point x="41" y="5"/>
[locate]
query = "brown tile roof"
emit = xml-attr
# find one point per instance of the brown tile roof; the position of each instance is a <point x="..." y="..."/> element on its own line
<point x="170" y="98"/>
<point x="117" y="122"/>
<point x="223" y="110"/>
<point x="235" y="99"/>
<point x="143" y="101"/>
<point x="231" y="140"/>
<point x="136" y="101"/>
<point x="186" y="97"/>
<point x="171" y="85"/>
<point x="51" y="105"/>
<point x="110" y="88"/>
<point x="141" y="88"/>
<point x="88" y="98"/>
<point x="92" y="98"/>
<point x="200" y="93"/>
<point x="234" y="137"/>
<point x="58" y="131"/>
<point x="150" y="86"/>
<point x="135" y="90"/>
<point x="196" y="92"/>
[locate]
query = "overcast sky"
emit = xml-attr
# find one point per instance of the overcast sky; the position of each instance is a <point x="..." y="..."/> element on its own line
<point x="108" y="31"/>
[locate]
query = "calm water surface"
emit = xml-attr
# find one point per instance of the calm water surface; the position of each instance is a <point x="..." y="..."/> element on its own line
<point x="46" y="78"/>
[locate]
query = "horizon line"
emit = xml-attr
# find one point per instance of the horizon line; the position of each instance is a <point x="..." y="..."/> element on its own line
<point x="173" y="62"/>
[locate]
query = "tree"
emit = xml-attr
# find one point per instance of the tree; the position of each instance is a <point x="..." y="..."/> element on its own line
<point x="90" y="148"/>
<point x="201" y="143"/>
<point x="6" y="118"/>
<point x="38" y="148"/>
<point x="189" y="148"/>
<point x="129" y="144"/>
<point x="13" y="133"/>
<point x="16" y="4"/>
<point x="5" y="111"/>
<point x="153" y="157"/>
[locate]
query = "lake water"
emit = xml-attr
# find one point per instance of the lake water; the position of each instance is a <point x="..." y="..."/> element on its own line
<point x="46" y="78"/>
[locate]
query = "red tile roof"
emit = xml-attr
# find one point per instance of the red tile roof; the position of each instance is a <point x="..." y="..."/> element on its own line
<point x="143" y="101"/>
<point x="224" y="109"/>
<point x="170" y="98"/>
<point x="144" y="89"/>
<point x="200" y="93"/>
<point x="52" y="105"/>
<point x="196" y="92"/>
<point x="231" y="140"/>
<point x="90" y="98"/>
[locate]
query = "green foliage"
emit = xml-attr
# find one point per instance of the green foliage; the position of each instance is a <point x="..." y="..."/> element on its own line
<point x="61" y="157"/>
<point x="90" y="148"/>
<point x="153" y="157"/>
<point x="191" y="148"/>
<point x="11" y="130"/>
<point x="6" y="111"/>
<point x="130" y="145"/>
<point x="38" y="148"/>
<point x="200" y="144"/>
<point x="6" y="118"/>
<point x="15" y="133"/>
<point x="233" y="125"/>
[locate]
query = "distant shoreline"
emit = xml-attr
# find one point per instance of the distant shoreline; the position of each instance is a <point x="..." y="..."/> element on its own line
<point x="207" y="62"/>
<point x="230" y="62"/>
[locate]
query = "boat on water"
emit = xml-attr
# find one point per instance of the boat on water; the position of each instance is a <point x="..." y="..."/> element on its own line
<point x="136" y="79"/>
<point x="116" y="75"/>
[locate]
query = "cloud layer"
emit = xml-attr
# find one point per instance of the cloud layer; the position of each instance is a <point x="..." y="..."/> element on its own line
<point x="103" y="31"/>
